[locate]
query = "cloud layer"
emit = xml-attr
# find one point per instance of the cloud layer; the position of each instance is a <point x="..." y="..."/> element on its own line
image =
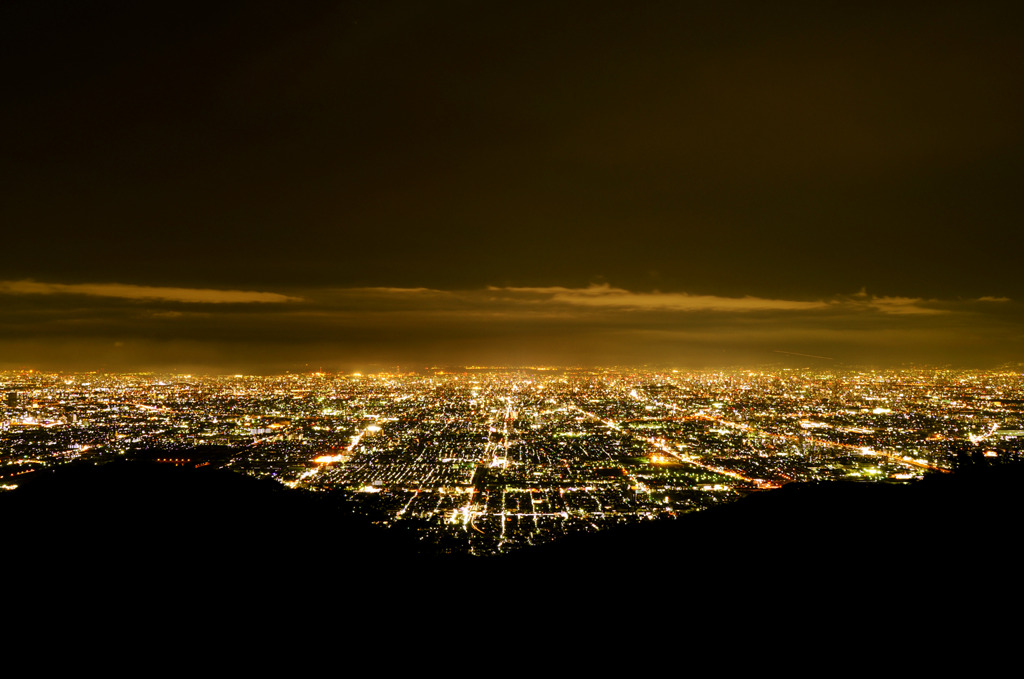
<point x="116" y="326"/>
<point x="143" y="292"/>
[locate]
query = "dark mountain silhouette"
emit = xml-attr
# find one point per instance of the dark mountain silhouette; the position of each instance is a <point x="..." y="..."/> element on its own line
<point x="155" y="521"/>
<point x="970" y="519"/>
<point x="158" y="516"/>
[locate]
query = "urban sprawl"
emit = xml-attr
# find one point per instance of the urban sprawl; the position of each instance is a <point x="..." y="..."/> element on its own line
<point x="487" y="460"/>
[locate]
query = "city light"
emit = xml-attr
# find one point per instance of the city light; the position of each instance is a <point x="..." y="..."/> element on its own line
<point x="493" y="460"/>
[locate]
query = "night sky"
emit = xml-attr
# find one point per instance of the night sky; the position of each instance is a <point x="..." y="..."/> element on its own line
<point x="257" y="186"/>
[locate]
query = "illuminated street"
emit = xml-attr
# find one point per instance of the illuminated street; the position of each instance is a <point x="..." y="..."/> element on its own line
<point x="488" y="460"/>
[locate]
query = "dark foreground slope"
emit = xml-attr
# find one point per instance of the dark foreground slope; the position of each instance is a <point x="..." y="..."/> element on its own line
<point x="132" y="555"/>
<point x="139" y="518"/>
<point x="939" y="528"/>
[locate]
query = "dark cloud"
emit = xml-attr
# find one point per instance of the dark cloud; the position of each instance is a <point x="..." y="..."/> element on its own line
<point x="144" y="292"/>
<point x="419" y="326"/>
<point x="754" y="162"/>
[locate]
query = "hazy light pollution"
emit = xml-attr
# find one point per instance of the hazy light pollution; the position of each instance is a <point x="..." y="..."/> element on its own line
<point x="343" y="185"/>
